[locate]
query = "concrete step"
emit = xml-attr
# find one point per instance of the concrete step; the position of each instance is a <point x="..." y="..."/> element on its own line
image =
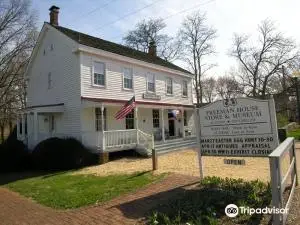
<point x="176" y="146"/>
<point x="174" y="142"/>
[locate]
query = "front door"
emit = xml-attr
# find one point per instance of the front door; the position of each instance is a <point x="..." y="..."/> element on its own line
<point x="172" y="128"/>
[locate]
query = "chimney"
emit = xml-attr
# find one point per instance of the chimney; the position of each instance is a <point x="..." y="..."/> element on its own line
<point x="152" y="49"/>
<point x="54" y="10"/>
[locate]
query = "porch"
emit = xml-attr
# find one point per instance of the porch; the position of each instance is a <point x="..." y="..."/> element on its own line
<point x="142" y="129"/>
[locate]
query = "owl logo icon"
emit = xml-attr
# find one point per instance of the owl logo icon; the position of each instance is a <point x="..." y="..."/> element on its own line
<point x="229" y="102"/>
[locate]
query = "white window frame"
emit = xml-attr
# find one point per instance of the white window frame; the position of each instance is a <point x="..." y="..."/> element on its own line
<point x="131" y="70"/>
<point x="172" y="91"/>
<point x="93" y="74"/>
<point x="154" y="80"/>
<point x="50" y="83"/>
<point x="154" y="119"/>
<point x="187" y="89"/>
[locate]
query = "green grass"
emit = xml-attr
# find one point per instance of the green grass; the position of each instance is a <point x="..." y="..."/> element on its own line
<point x="65" y="190"/>
<point x="294" y="133"/>
<point x="205" y="204"/>
<point x="282" y="120"/>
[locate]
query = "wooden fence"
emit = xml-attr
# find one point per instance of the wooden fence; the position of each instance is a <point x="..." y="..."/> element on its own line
<point x="279" y="181"/>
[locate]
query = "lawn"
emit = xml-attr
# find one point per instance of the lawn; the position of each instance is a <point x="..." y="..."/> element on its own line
<point x="294" y="133"/>
<point x="205" y="204"/>
<point x="65" y="190"/>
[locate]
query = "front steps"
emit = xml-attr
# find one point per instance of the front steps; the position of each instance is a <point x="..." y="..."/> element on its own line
<point x="175" y="145"/>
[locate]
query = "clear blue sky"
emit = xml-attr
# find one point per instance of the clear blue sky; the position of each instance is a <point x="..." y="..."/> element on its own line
<point x="97" y="18"/>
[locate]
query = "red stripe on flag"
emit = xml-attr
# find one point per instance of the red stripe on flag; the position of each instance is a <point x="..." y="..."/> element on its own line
<point x="126" y="109"/>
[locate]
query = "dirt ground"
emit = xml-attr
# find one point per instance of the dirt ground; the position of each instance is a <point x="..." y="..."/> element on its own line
<point x="186" y="162"/>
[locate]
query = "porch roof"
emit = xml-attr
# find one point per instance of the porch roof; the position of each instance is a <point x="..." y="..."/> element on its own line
<point x="52" y="108"/>
<point x="86" y="101"/>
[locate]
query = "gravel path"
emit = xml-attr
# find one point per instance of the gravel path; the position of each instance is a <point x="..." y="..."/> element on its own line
<point x="186" y="162"/>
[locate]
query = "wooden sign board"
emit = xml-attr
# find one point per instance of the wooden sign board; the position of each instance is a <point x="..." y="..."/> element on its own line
<point x="237" y="127"/>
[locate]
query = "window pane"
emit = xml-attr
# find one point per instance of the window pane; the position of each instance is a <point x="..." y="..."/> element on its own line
<point x="184" y="88"/>
<point x="127" y="83"/>
<point x="151" y="87"/>
<point x="98" y="67"/>
<point x="127" y="73"/>
<point x="169" y="86"/>
<point x="99" y="79"/>
<point x="155" y="115"/>
<point x="130" y="121"/>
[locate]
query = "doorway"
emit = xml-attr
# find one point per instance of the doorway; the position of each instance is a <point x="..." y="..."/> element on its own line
<point x="171" y="127"/>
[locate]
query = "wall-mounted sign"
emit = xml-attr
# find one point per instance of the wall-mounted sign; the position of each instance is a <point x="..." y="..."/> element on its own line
<point x="152" y="96"/>
<point x="238" y="127"/>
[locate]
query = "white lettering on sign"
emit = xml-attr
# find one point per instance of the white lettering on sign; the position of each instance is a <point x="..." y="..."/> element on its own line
<point x="238" y="127"/>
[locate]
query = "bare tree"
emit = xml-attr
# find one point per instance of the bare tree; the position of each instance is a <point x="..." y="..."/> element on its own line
<point x="17" y="37"/>
<point x="148" y="31"/>
<point x="228" y="87"/>
<point x="261" y="62"/>
<point x="209" y="89"/>
<point x="197" y="38"/>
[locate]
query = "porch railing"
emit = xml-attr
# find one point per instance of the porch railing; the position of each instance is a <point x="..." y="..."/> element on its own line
<point x="116" y="138"/>
<point x="146" y="140"/>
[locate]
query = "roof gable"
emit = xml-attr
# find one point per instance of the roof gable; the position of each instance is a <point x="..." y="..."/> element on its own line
<point x="108" y="46"/>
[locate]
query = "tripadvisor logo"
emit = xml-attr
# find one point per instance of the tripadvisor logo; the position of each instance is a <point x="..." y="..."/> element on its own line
<point x="231" y="210"/>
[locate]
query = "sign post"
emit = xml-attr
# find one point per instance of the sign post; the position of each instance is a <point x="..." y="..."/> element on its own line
<point x="237" y="127"/>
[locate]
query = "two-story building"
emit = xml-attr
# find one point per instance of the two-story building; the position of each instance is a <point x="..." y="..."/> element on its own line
<point x="77" y="83"/>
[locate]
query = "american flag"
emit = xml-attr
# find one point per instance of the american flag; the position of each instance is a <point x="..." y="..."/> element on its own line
<point x="126" y="109"/>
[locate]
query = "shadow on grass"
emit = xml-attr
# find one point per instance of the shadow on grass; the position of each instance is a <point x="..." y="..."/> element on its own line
<point x="201" y="204"/>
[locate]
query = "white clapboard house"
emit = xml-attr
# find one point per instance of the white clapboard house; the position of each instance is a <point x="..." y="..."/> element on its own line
<point x="77" y="83"/>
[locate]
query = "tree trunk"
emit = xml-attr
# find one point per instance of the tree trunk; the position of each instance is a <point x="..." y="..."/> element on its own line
<point x="10" y="126"/>
<point x="2" y="133"/>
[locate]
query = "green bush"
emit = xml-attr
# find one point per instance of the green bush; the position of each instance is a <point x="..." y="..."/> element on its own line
<point x="206" y="204"/>
<point x="282" y="120"/>
<point x="14" y="155"/>
<point x="61" y="154"/>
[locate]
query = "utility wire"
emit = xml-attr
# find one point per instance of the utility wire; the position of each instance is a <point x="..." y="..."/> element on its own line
<point x="174" y="14"/>
<point x="83" y="16"/>
<point x="127" y="15"/>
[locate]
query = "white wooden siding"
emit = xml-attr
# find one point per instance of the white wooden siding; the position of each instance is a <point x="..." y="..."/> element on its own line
<point x="114" y="82"/>
<point x="64" y="66"/>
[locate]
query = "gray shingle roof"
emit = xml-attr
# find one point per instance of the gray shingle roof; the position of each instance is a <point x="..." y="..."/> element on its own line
<point x="99" y="43"/>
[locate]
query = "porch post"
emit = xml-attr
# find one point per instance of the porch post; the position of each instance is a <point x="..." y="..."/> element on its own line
<point x="162" y="125"/>
<point x="36" y="126"/>
<point x="102" y="127"/>
<point x="136" y="124"/>
<point x="182" y="123"/>
<point x="23" y="125"/>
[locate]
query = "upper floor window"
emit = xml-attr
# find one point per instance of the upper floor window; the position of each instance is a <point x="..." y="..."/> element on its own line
<point x="127" y="78"/>
<point x="151" y="82"/>
<point x="99" y="74"/>
<point x="49" y="80"/>
<point x="184" y="88"/>
<point x="155" y="115"/>
<point x="169" y="84"/>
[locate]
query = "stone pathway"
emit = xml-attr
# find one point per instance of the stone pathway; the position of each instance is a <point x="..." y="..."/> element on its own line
<point x="126" y="209"/>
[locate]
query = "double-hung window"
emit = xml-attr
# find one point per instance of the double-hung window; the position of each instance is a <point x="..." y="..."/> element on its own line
<point x="99" y="74"/>
<point x="155" y="115"/>
<point x="184" y="88"/>
<point x="98" y="119"/>
<point x="151" y="82"/>
<point x="129" y="121"/>
<point x="169" y="85"/>
<point x="184" y="118"/>
<point x="127" y="78"/>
